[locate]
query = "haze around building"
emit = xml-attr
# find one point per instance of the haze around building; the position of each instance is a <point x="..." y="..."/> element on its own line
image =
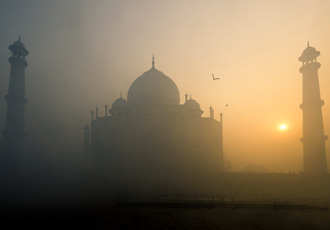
<point x="84" y="54"/>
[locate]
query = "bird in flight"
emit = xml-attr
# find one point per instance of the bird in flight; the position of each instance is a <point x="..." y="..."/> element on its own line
<point x="226" y="105"/>
<point x="215" y="78"/>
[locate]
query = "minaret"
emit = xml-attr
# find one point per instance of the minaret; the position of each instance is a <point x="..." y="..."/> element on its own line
<point x="153" y="61"/>
<point x="92" y="117"/>
<point x="106" y="109"/>
<point x="211" y="112"/>
<point x="313" y="133"/>
<point x="14" y="132"/>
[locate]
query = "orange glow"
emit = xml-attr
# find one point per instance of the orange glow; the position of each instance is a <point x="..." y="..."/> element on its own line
<point x="283" y="127"/>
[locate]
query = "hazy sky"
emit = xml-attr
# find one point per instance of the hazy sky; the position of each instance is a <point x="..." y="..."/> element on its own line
<point x="83" y="54"/>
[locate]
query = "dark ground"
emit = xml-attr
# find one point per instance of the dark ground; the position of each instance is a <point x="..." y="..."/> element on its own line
<point x="251" y="201"/>
<point x="172" y="216"/>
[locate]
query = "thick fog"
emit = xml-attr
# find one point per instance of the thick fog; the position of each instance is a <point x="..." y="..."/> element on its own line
<point x="84" y="54"/>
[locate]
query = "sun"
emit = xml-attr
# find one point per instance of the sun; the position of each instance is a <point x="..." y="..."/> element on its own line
<point x="283" y="127"/>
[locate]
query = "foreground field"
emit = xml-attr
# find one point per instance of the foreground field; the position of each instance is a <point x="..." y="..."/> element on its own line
<point x="165" y="216"/>
<point x="128" y="217"/>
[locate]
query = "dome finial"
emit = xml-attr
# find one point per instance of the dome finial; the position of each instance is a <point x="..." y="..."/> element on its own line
<point x="153" y="61"/>
<point x="121" y="96"/>
<point x="19" y="37"/>
<point x="307" y="43"/>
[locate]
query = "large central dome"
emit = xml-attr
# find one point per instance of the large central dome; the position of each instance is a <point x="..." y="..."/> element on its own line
<point x="153" y="87"/>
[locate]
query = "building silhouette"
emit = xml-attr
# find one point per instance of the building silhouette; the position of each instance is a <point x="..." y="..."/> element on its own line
<point x="153" y="132"/>
<point x="14" y="132"/>
<point x="314" y="154"/>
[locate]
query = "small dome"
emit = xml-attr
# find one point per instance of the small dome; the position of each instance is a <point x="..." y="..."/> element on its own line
<point x="19" y="43"/>
<point x="18" y="49"/>
<point x="120" y="103"/>
<point x="192" y="105"/>
<point x="308" y="50"/>
<point x="309" y="54"/>
<point x="153" y="87"/>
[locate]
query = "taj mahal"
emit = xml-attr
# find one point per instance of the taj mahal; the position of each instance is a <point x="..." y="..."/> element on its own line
<point x="151" y="131"/>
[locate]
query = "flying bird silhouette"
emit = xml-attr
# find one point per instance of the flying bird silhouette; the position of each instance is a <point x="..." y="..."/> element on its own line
<point x="226" y="105"/>
<point x="215" y="78"/>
